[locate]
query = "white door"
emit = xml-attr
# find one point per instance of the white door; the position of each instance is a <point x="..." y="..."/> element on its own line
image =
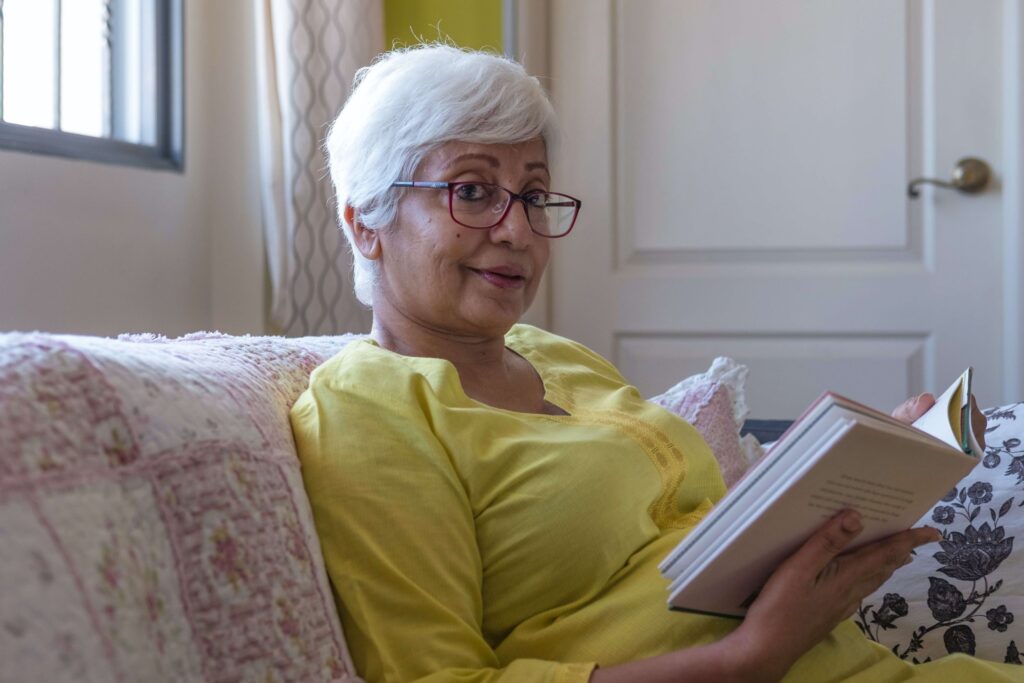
<point x="743" y="166"/>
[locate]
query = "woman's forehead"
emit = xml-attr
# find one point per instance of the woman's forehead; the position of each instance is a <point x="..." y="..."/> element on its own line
<point x="528" y="155"/>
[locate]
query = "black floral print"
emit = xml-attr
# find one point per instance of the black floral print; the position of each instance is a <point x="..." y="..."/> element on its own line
<point x="893" y="607"/>
<point x="964" y="582"/>
<point x="943" y="514"/>
<point x="945" y="600"/>
<point x="999" y="618"/>
<point x="980" y="492"/>
<point x="960" y="639"/>
<point x="974" y="554"/>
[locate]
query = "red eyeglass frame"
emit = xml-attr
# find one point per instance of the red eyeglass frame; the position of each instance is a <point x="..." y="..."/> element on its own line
<point x="521" y="198"/>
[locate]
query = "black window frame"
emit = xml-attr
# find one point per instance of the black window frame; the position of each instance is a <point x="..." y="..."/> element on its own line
<point x="168" y="151"/>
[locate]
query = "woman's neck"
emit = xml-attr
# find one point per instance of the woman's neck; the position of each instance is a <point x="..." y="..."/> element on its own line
<point x="488" y="371"/>
<point x="471" y="355"/>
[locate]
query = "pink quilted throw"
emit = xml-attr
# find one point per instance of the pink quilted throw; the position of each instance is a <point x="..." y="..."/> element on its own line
<point x="152" y="517"/>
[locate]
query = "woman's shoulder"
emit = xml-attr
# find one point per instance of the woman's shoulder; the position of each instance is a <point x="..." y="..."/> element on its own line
<point x="364" y="366"/>
<point x="364" y="386"/>
<point x="365" y="395"/>
<point x="557" y="353"/>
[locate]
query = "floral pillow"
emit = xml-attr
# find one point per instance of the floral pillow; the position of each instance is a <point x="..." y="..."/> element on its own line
<point x="966" y="593"/>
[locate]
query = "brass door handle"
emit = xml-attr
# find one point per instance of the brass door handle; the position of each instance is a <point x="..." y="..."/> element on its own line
<point x="970" y="175"/>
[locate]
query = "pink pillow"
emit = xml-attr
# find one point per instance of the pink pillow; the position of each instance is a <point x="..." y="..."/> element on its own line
<point x="714" y="402"/>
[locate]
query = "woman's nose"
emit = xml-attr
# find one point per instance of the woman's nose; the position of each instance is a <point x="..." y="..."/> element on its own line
<point x="514" y="228"/>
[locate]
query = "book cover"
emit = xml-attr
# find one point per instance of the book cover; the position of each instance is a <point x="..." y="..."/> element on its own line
<point x="839" y="454"/>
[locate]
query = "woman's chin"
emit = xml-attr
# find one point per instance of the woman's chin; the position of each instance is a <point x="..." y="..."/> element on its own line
<point x="495" y="323"/>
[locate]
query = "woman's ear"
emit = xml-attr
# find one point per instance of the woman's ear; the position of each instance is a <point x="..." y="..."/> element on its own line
<point x="367" y="241"/>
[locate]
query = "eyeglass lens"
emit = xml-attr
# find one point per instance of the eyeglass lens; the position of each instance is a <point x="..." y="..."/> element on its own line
<point x="482" y="205"/>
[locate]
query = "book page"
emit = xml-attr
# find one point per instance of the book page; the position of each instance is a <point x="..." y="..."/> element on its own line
<point x="875" y="498"/>
<point x="939" y="421"/>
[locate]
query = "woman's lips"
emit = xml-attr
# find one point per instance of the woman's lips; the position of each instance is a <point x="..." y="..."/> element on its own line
<point x="504" y="280"/>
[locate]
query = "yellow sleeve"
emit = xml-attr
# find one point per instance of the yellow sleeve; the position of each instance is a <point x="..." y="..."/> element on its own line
<point x="399" y="541"/>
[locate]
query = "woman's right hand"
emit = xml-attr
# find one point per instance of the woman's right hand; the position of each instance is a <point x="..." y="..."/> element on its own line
<point x="815" y="589"/>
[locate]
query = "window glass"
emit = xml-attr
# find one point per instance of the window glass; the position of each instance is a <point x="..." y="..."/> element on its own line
<point x="29" y="62"/>
<point x="81" y="78"/>
<point x="84" y="68"/>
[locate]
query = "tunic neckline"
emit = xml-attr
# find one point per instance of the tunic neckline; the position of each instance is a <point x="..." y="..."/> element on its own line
<point x="553" y="393"/>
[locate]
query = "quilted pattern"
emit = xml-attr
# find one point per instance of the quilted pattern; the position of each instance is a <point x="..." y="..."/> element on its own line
<point x="152" y="514"/>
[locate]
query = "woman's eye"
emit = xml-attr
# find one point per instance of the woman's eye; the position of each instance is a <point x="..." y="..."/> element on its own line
<point x="537" y="199"/>
<point x="471" y="192"/>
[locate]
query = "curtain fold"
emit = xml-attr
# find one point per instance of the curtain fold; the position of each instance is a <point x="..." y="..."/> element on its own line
<point x="308" y="53"/>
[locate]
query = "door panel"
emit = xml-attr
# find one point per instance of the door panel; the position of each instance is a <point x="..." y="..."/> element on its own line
<point x="796" y="363"/>
<point x="743" y="167"/>
<point x="771" y="120"/>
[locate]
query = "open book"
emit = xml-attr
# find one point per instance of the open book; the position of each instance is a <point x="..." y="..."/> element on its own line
<point x="839" y="454"/>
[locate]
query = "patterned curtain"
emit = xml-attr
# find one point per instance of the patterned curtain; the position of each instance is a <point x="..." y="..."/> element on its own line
<point x="309" y="51"/>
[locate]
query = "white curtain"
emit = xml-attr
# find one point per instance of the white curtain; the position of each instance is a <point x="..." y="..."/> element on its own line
<point x="309" y="51"/>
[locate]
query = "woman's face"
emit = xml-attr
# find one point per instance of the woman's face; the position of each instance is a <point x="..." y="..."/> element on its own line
<point x="458" y="280"/>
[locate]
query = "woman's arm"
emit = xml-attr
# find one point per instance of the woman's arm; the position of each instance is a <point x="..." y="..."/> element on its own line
<point x="803" y="601"/>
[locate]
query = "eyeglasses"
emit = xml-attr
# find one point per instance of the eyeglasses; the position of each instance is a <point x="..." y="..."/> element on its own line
<point x="484" y="205"/>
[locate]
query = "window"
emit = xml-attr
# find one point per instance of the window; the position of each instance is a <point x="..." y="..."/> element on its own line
<point x="93" y="79"/>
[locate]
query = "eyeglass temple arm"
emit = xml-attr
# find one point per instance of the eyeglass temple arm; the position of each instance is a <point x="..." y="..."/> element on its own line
<point x="421" y="183"/>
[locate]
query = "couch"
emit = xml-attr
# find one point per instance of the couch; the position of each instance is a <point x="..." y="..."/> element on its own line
<point x="152" y="517"/>
<point x="154" y="526"/>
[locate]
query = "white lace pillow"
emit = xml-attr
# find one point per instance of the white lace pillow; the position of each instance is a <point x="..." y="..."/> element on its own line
<point x="714" y="402"/>
<point x="966" y="593"/>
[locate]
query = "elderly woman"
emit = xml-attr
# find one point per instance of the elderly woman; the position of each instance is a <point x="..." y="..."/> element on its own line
<point x="492" y="499"/>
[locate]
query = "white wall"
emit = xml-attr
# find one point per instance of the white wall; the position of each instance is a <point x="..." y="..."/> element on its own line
<point x="238" y="292"/>
<point x="100" y="249"/>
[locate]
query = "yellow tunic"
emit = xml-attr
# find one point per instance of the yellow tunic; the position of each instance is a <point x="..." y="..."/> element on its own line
<point x="469" y="543"/>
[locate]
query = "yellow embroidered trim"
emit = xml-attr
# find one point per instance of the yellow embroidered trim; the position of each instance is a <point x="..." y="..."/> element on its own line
<point x="666" y="456"/>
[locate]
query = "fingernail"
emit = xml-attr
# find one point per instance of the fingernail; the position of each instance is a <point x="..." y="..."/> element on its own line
<point x="851" y="522"/>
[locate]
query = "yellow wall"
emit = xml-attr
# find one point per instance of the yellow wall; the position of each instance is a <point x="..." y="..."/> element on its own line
<point x="467" y="23"/>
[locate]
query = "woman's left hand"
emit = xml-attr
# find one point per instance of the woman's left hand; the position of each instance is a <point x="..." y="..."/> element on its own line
<point x="913" y="408"/>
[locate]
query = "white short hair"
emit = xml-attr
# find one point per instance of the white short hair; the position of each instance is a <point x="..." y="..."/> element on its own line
<point x="411" y="101"/>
